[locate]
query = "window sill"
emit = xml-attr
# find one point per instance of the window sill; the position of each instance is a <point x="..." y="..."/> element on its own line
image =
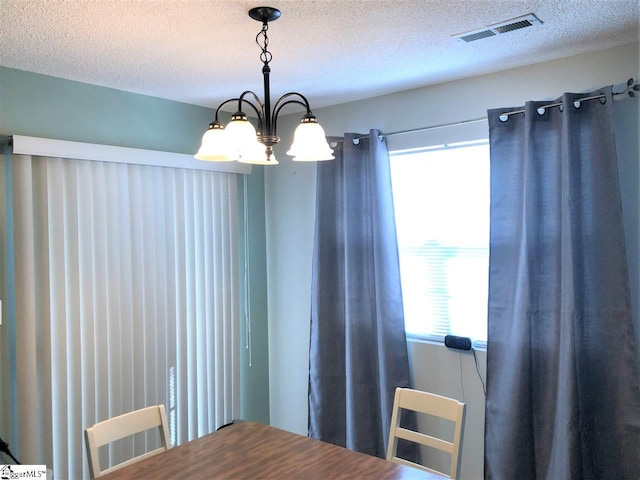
<point x="439" y="340"/>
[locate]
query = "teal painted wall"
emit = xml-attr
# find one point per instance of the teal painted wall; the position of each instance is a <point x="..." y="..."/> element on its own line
<point x="254" y="334"/>
<point x="43" y="106"/>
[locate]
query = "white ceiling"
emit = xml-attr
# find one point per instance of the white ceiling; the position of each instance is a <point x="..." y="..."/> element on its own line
<point x="333" y="51"/>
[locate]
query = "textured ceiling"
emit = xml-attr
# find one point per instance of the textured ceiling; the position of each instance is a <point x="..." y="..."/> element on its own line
<point x="333" y="51"/>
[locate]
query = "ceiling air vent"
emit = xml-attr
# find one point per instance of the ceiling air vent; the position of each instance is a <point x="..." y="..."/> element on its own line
<point x="525" y="21"/>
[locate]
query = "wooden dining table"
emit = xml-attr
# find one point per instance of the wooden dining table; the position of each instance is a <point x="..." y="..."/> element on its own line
<point x="249" y="450"/>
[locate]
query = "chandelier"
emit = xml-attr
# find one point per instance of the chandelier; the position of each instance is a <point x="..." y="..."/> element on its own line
<point x="240" y="141"/>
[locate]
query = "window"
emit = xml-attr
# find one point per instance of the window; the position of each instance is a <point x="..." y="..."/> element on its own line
<point x="441" y="197"/>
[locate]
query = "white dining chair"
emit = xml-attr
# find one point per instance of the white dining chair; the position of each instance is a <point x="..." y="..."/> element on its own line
<point x="123" y="426"/>
<point x="437" y="406"/>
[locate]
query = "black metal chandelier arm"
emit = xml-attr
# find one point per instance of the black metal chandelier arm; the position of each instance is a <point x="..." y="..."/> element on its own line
<point x="276" y="112"/>
<point x="279" y="103"/>
<point x="258" y="109"/>
<point x="240" y="100"/>
<point x="217" y="120"/>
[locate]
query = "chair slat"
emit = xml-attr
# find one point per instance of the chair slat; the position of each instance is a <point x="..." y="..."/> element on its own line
<point x="423" y="439"/>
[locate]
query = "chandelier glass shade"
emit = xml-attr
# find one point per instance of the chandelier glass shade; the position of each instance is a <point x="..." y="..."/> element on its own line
<point x="241" y="141"/>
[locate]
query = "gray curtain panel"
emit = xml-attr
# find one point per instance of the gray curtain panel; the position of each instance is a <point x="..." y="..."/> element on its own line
<point x="563" y="400"/>
<point x="358" y="349"/>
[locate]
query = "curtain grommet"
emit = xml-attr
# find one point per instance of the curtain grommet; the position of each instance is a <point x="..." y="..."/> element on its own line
<point x="504" y="117"/>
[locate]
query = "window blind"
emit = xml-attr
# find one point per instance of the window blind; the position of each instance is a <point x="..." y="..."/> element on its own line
<point x="126" y="295"/>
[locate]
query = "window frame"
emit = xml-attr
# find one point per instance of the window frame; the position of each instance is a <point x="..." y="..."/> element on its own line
<point x="477" y="344"/>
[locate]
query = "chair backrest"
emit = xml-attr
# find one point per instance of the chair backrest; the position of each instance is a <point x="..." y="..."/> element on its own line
<point x="124" y="426"/>
<point x="437" y="406"/>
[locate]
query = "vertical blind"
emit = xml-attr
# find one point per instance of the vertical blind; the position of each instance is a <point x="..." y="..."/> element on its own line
<point x="126" y="295"/>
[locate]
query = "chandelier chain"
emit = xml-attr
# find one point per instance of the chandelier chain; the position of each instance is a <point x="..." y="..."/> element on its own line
<point x="265" y="55"/>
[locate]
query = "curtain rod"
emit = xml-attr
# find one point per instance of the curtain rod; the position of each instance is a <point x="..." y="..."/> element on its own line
<point x="413" y="130"/>
<point x="629" y="91"/>
<point x="433" y="127"/>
